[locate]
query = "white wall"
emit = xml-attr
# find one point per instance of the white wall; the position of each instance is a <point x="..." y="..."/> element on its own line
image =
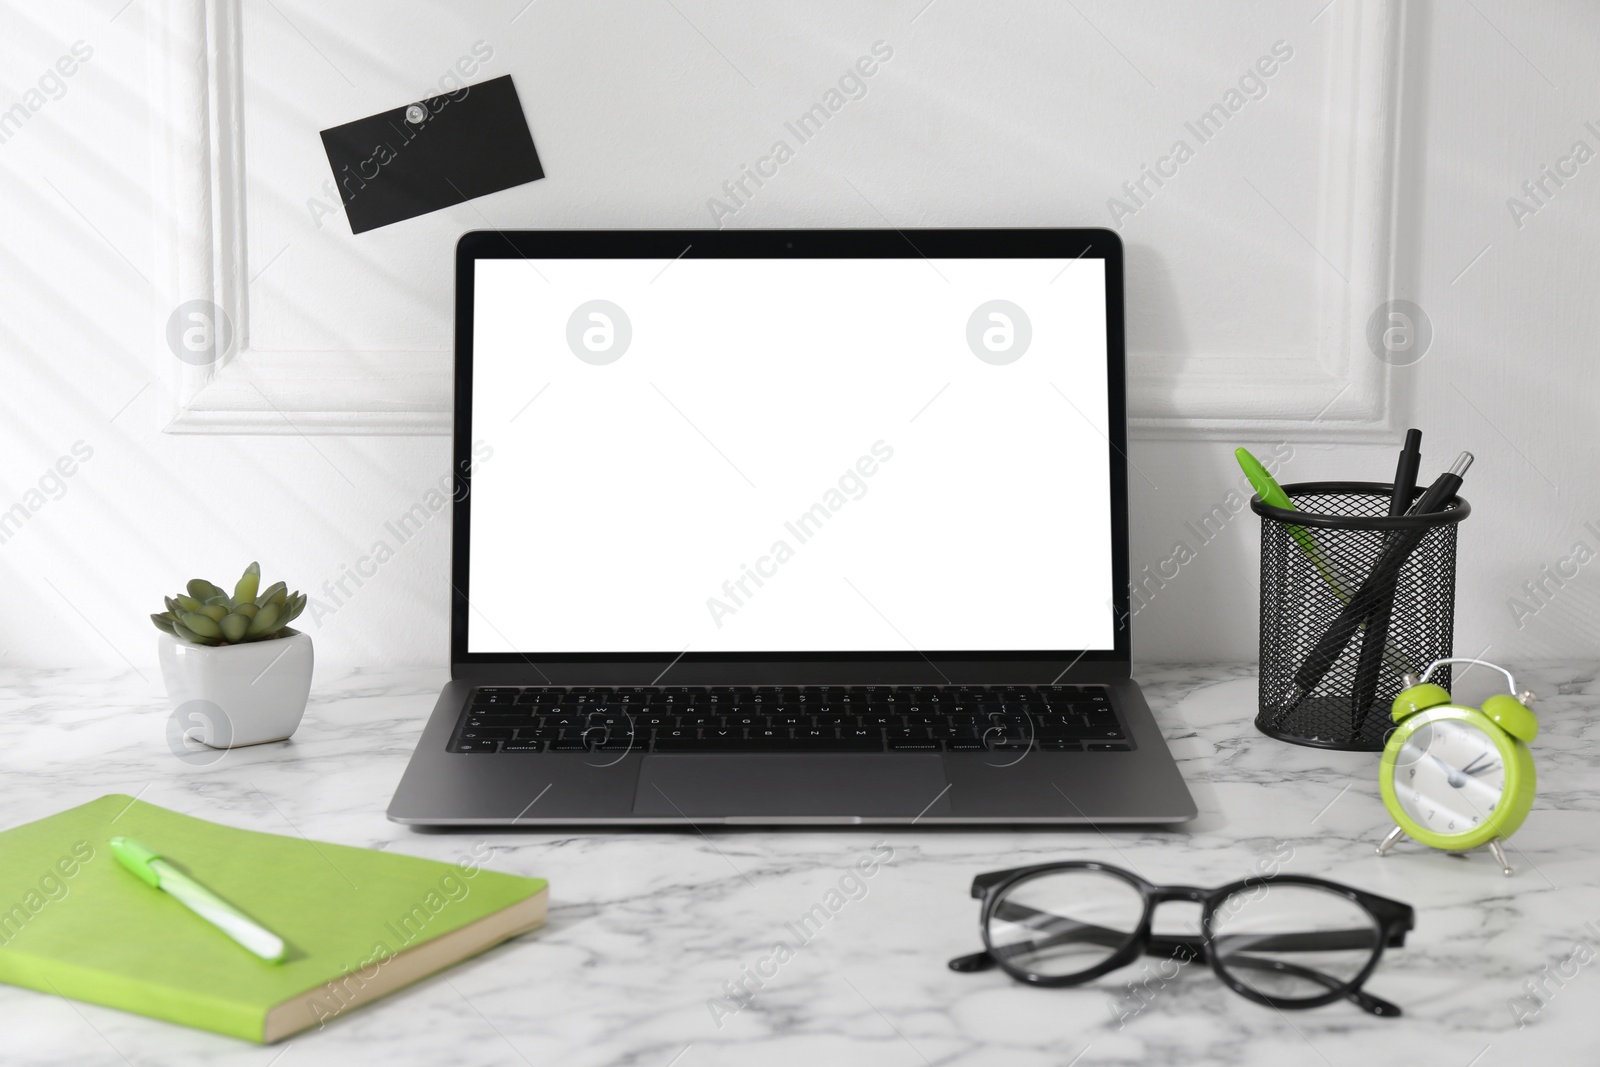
<point x="1015" y="114"/>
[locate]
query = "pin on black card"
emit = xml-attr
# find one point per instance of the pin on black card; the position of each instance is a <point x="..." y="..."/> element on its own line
<point x="432" y="154"/>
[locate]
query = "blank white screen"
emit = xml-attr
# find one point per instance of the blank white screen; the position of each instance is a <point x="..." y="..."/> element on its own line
<point x="654" y="503"/>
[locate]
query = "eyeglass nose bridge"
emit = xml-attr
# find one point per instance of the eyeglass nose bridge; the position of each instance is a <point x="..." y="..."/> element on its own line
<point x="1186" y="893"/>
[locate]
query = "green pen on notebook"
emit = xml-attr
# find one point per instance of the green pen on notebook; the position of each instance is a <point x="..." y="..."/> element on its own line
<point x="154" y="871"/>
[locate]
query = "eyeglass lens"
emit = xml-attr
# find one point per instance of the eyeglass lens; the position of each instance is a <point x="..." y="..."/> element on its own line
<point x="1064" y="922"/>
<point x="1293" y="942"/>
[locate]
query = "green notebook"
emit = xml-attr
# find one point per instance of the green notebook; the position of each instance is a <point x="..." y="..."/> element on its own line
<point x="359" y="924"/>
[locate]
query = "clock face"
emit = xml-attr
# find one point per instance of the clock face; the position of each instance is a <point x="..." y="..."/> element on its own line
<point x="1449" y="776"/>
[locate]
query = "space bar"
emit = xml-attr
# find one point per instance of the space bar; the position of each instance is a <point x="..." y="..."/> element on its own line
<point x="765" y="744"/>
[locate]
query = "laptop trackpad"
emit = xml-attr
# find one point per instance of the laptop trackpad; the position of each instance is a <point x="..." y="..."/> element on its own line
<point x="709" y="786"/>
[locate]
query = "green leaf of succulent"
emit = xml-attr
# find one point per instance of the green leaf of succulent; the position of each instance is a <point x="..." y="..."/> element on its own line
<point x="297" y="604"/>
<point x="201" y="589"/>
<point x="234" y="627"/>
<point x="163" y="624"/>
<point x="180" y="630"/>
<point x="213" y="611"/>
<point x="249" y="583"/>
<point x="265" y="622"/>
<point x="248" y="609"/>
<point x="276" y="593"/>
<point x="204" y="625"/>
<point x="187" y="603"/>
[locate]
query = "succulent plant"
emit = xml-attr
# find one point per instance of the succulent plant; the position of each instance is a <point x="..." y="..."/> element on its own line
<point x="205" y="615"/>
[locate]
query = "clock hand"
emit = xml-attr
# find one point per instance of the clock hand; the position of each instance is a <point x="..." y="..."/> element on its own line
<point x="1453" y="776"/>
<point x="1473" y="768"/>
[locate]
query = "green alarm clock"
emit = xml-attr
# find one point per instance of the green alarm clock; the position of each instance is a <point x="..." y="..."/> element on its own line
<point x="1454" y="777"/>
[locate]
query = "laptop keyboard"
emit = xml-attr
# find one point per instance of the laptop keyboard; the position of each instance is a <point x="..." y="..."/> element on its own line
<point x="871" y="718"/>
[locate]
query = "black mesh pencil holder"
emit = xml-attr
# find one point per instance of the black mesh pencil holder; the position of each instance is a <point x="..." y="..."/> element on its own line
<point x="1314" y="562"/>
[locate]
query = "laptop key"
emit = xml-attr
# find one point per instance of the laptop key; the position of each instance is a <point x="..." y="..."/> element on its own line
<point x="498" y="722"/>
<point x="522" y="746"/>
<point x="621" y="744"/>
<point x="476" y="746"/>
<point x="909" y="745"/>
<point x="485" y="735"/>
<point x="757" y="744"/>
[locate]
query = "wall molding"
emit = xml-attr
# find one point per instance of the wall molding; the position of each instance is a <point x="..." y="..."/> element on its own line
<point x="202" y="254"/>
<point x="1345" y="390"/>
<point x="199" y="175"/>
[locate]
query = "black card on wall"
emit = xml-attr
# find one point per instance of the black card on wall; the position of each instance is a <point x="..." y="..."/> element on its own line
<point x="432" y="154"/>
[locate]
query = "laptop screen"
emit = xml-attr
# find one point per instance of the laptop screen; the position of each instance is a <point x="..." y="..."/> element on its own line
<point x="789" y="455"/>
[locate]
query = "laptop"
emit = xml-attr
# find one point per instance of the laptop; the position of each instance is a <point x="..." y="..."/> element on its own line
<point x="813" y="527"/>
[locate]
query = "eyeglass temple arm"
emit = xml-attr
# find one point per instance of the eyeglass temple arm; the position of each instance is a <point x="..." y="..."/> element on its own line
<point x="1063" y="930"/>
<point x="1360" y="997"/>
<point x="1058" y="930"/>
<point x="1187" y="949"/>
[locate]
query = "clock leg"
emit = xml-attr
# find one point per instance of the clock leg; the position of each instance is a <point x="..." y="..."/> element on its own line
<point x="1388" y="842"/>
<point x="1500" y="856"/>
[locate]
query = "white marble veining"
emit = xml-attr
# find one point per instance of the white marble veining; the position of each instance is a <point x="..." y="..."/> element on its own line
<point x="646" y="927"/>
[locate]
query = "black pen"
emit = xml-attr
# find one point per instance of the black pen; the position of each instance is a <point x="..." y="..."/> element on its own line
<point x="1369" y="667"/>
<point x="1384" y="572"/>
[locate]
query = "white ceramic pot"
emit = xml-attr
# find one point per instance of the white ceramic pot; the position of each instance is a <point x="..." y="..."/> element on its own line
<point x="235" y="695"/>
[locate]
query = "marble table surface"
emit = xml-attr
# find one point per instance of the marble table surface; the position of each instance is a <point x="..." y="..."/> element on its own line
<point x="647" y="929"/>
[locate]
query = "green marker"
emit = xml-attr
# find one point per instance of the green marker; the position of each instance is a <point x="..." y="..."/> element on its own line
<point x="159" y="874"/>
<point x="1272" y="494"/>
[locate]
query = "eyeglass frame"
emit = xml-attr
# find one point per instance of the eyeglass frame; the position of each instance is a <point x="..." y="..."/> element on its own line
<point x="1394" y="919"/>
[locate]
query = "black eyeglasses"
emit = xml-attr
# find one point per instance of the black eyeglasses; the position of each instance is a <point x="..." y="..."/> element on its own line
<point x="1286" y="941"/>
